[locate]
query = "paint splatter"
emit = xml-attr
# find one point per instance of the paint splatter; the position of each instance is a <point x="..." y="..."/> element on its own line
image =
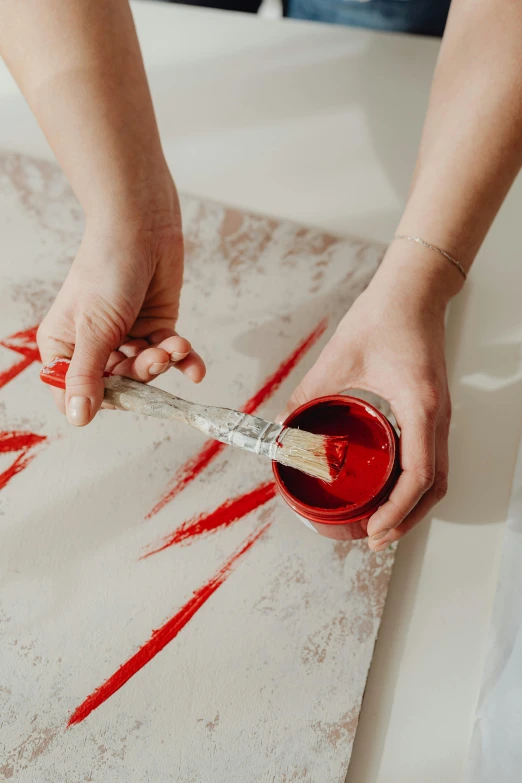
<point x="211" y="449"/>
<point x="162" y="636"/>
<point x="225" y="515"/>
<point x="23" y="343"/>
<point x="17" y="441"/>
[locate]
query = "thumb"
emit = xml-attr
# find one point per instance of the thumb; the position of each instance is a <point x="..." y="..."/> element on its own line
<point x="84" y="382"/>
<point x="324" y="378"/>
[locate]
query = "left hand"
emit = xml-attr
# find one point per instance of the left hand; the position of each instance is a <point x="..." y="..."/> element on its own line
<point x="117" y="310"/>
<point x="391" y="342"/>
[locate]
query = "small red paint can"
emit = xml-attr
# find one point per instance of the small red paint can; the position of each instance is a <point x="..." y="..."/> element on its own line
<point x="341" y="510"/>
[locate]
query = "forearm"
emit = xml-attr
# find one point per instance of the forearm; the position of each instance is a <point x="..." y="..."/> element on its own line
<point x="79" y="66"/>
<point x="471" y="148"/>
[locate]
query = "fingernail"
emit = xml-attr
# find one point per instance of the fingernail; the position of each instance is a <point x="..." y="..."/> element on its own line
<point x="175" y="356"/>
<point x="158" y="367"/>
<point x="381" y="546"/>
<point x="192" y="373"/>
<point x="378" y="536"/>
<point x="78" y="410"/>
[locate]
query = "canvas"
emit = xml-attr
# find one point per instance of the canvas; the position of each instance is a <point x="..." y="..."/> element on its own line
<point x="164" y="615"/>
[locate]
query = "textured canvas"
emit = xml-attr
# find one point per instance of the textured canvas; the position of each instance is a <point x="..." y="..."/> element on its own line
<point x="164" y="616"/>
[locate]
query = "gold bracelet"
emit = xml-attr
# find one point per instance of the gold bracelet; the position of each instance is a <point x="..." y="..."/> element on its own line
<point x="420" y="241"/>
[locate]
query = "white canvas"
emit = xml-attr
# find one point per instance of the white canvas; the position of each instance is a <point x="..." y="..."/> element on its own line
<point x="264" y="683"/>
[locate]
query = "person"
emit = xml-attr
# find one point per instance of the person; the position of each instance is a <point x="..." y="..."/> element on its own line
<point x="79" y="65"/>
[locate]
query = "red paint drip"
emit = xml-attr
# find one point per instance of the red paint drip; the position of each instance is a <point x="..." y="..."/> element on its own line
<point x="225" y="515"/>
<point x="23" y="343"/>
<point x="162" y="636"/>
<point x="211" y="449"/>
<point x="17" y="441"/>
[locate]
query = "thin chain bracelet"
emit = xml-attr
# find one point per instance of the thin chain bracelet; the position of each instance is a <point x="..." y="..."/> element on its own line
<point x="420" y="241"/>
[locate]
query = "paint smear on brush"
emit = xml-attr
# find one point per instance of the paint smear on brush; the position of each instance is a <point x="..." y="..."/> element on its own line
<point x="23" y="343"/>
<point x="197" y="464"/>
<point x="162" y="636"/>
<point x="17" y="441"/>
<point x="225" y="515"/>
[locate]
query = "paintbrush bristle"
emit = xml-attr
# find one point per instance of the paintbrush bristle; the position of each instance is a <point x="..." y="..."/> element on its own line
<point x="321" y="456"/>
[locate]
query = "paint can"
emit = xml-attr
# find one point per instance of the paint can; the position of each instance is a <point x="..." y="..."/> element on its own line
<point x="341" y="510"/>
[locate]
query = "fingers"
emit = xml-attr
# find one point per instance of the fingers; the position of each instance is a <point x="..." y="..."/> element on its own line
<point x="418" y="465"/>
<point x="193" y="367"/>
<point x="50" y="349"/>
<point x="143" y="360"/>
<point x="433" y="496"/>
<point x="380" y="532"/>
<point x="84" y="381"/>
<point x="174" y="345"/>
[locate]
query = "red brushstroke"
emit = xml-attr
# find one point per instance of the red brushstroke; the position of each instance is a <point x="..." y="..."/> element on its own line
<point x="285" y="368"/>
<point x="162" y="636"/>
<point x="211" y="449"/>
<point x="23" y="343"/>
<point x="17" y="441"/>
<point x="225" y="515"/>
<point x="190" y="470"/>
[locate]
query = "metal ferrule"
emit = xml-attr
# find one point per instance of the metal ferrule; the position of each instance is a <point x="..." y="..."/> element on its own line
<point x="251" y="434"/>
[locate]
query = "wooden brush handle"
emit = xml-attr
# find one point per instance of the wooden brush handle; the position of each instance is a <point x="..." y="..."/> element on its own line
<point x="127" y="395"/>
<point x="228" y="426"/>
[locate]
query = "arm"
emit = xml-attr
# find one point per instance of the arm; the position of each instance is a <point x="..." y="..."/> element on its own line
<point x="392" y="340"/>
<point x="79" y="66"/>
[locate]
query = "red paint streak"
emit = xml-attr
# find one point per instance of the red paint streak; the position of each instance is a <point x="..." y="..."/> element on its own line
<point x="23" y="343"/>
<point x="224" y="516"/>
<point x="211" y="449"/>
<point x="285" y="368"/>
<point x="162" y="636"/>
<point x="17" y="441"/>
<point x="190" y="470"/>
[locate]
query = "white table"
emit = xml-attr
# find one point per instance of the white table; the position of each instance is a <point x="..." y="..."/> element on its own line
<point x="320" y="125"/>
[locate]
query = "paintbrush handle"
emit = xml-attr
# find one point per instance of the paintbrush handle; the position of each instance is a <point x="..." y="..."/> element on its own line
<point x="228" y="426"/>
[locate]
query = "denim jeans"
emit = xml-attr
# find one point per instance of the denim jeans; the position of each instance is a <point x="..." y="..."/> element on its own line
<point x="427" y="17"/>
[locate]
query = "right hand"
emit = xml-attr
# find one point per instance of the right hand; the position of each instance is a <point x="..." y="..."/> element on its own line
<point x="391" y="342"/>
<point x="118" y="307"/>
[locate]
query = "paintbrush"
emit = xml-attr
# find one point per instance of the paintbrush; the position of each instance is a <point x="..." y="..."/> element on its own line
<point x="321" y="456"/>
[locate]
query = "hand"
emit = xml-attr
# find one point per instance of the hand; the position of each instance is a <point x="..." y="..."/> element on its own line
<point x="391" y="342"/>
<point x="118" y="308"/>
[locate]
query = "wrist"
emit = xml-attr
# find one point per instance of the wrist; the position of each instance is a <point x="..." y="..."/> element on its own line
<point x="417" y="273"/>
<point x="142" y="204"/>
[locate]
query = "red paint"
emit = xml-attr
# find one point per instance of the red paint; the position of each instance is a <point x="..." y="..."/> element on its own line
<point x="190" y="470"/>
<point x="211" y="449"/>
<point x="55" y="373"/>
<point x="17" y="441"/>
<point x="369" y="472"/>
<point x="225" y="515"/>
<point x="272" y="383"/>
<point x="162" y="636"/>
<point x="23" y="343"/>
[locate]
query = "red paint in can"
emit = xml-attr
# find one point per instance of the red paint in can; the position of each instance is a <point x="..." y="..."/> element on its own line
<point x="341" y="510"/>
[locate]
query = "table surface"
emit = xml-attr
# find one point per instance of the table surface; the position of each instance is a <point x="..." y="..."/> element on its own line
<point x="320" y="125"/>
